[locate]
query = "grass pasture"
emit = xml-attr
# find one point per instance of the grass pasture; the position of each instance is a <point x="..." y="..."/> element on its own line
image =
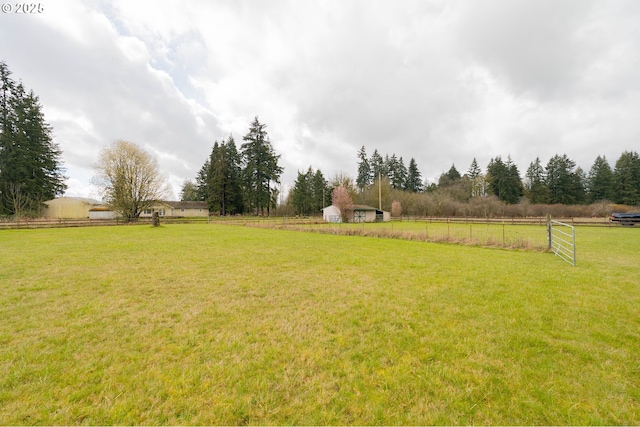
<point x="221" y="324"/>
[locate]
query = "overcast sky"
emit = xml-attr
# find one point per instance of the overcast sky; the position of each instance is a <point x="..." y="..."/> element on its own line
<point x="440" y="81"/>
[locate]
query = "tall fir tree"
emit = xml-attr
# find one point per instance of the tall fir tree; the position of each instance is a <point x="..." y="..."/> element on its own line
<point x="627" y="178"/>
<point x="399" y="177"/>
<point x="202" y="185"/>
<point x="579" y="185"/>
<point x="220" y="179"/>
<point x="475" y="176"/>
<point x="302" y="193"/>
<point x="414" y="178"/>
<point x="600" y="181"/>
<point x="30" y="161"/>
<point x="321" y="191"/>
<point x="561" y="180"/>
<point x="377" y="166"/>
<point x="504" y="180"/>
<point x="261" y="171"/>
<point x="450" y="177"/>
<point x="395" y="170"/>
<point x="310" y="192"/>
<point x="364" y="170"/>
<point x="536" y="189"/>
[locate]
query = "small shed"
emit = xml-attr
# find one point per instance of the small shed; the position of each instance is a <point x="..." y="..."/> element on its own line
<point x="331" y="214"/>
<point x="361" y="213"/>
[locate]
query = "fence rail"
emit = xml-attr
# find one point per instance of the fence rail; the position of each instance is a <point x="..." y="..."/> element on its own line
<point x="27" y="223"/>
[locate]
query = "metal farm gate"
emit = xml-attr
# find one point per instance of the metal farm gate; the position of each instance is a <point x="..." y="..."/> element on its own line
<point x="562" y="240"/>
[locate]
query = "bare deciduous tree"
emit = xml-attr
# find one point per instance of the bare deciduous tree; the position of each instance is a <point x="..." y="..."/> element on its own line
<point x="19" y="201"/>
<point x="396" y="208"/>
<point x="129" y="178"/>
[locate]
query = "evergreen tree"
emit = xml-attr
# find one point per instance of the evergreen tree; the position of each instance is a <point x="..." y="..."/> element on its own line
<point x="627" y="178"/>
<point x="561" y="180"/>
<point x="30" y="161"/>
<point x="321" y="192"/>
<point x="414" y="178"/>
<point x="202" y="181"/>
<point x="377" y="166"/>
<point x="189" y="191"/>
<point x="220" y="179"/>
<point x="234" y="190"/>
<point x="600" y="181"/>
<point x="475" y="176"/>
<point x="504" y="180"/>
<point x="400" y="174"/>
<point x="516" y="189"/>
<point x="579" y="185"/>
<point x="261" y="169"/>
<point x="396" y="171"/>
<point x="535" y="187"/>
<point x="310" y="192"/>
<point x="364" y="170"/>
<point x="450" y="177"/>
<point x="474" y="170"/>
<point x="387" y="166"/>
<point x="302" y="193"/>
<point x="390" y="164"/>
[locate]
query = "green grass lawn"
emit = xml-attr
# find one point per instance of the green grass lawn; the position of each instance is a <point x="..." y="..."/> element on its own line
<point x="218" y="324"/>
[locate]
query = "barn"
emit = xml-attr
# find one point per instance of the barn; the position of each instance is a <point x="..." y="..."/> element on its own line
<point x="68" y="207"/>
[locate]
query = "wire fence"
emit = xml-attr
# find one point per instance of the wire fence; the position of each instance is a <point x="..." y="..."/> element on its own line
<point x="516" y="234"/>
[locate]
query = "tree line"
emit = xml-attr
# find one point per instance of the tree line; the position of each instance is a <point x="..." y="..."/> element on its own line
<point x="30" y="161"/>
<point x="234" y="181"/>
<point x="557" y="182"/>
<point x="392" y="168"/>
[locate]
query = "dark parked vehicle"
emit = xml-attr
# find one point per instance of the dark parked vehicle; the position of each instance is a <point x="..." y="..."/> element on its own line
<point x="630" y="218"/>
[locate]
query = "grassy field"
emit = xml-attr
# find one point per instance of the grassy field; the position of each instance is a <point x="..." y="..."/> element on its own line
<point x="219" y="324"/>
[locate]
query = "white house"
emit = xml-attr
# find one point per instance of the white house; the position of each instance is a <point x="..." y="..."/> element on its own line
<point x="361" y="213"/>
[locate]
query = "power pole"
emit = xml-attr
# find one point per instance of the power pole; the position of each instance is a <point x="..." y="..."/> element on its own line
<point x="379" y="191"/>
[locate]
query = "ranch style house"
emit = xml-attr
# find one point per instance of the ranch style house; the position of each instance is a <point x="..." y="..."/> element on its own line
<point x="177" y="209"/>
